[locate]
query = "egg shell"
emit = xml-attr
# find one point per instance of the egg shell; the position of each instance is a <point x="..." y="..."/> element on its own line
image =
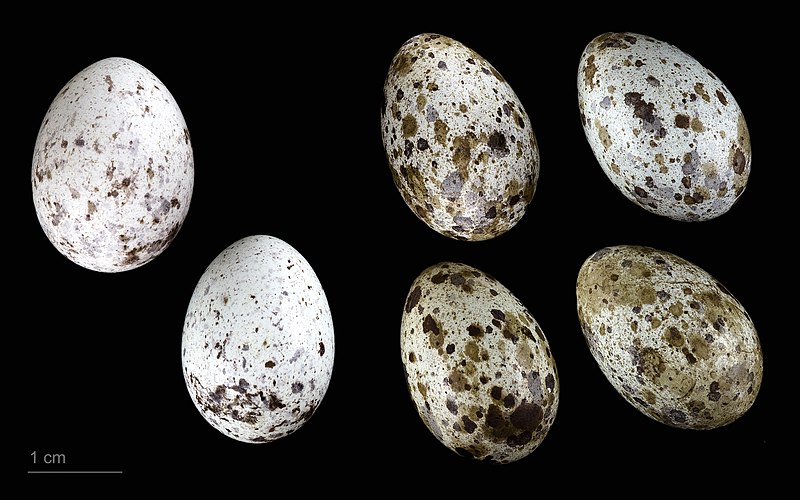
<point x="462" y="151"/>
<point x="670" y="338"/>
<point x="478" y="367"/>
<point x="258" y="344"/>
<point x="113" y="168"/>
<point x="666" y="131"/>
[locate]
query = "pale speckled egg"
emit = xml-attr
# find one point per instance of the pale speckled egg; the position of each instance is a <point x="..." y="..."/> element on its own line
<point x="666" y="130"/>
<point x="113" y="168"/>
<point x="478" y="367"/>
<point x="670" y="338"/>
<point x="461" y="148"/>
<point x="258" y="344"/>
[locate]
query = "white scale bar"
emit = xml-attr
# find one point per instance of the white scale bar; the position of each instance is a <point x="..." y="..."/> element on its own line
<point x="74" y="472"/>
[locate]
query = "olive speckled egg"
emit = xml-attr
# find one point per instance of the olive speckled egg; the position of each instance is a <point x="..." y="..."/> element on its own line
<point x="113" y="169"/>
<point x="669" y="337"/>
<point x="478" y="367"/>
<point x="665" y="130"/>
<point x="258" y="342"/>
<point x="461" y="147"/>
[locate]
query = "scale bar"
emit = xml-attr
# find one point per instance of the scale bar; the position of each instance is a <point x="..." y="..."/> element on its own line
<point x="74" y="472"/>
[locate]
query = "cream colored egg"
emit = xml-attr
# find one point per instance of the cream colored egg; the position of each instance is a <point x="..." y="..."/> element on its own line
<point x="460" y="145"/>
<point x="478" y="366"/>
<point x="665" y="129"/>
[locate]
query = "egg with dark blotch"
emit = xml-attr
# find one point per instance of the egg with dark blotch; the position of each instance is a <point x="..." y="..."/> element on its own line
<point x="666" y="130"/>
<point x="672" y="340"/>
<point x="478" y="366"/>
<point x="258" y="344"/>
<point x="113" y="168"/>
<point x="461" y="148"/>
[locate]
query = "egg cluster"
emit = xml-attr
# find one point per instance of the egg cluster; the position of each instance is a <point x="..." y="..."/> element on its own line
<point x="112" y="179"/>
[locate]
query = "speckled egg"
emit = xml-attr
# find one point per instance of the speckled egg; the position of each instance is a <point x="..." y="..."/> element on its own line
<point x="669" y="337"/>
<point x="666" y="130"/>
<point x="478" y="367"/>
<point x="461" y="147"/>
<point x="113" y="168"/>
<point x="258" y="342"/>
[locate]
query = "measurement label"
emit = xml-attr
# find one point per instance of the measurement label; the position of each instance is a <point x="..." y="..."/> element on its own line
<point x="49" y="458"/>
<point x="56" y="463"/>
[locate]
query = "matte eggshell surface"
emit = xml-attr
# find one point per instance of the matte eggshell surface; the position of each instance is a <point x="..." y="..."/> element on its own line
<point x="666" y="131"/>
<point x="669" y="337"/>
<point x="461" y="147"/>
<point x="113" y="169"/>
<point x="478" y="367"/>
<point x="258" y="343"/>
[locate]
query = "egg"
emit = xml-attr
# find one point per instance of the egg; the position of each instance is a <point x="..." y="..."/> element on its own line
<point x="462" y="151"/>
<point x="258" y="344"/>
<point x="113" y="168"/>
<point x="666" y="130"/>
<point x="672" y="340"/>
<point x="478" y="366"/>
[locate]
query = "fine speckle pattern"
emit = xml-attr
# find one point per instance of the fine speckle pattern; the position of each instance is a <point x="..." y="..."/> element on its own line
<point x="478" y="366"/>
<point x="665" y="130"/>
<point x="258" y="342"/>
<point x="113" y="169"/>
<point x="670" y="338"/>
<point x="461" y="147"/>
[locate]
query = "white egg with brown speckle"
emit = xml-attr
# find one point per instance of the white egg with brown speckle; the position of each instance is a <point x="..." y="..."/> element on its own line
<point x="666" y="131"/>
<point x="462" y="151"/>
<point x="113" y="168"/>
<point x="670" y="338"/>
<point x="258" y="344"/>
<point x="478" y="366"/>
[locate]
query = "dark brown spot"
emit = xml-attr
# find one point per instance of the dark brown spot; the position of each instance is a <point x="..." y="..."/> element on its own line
<point x="321" y="349"/>
<point x="413" y="298"/>
<point x="275" y="403"/>
<point x="429" y="325"/>
<point x="450" y="349"/>
<point x="509" y="401"/>
<point x="550" y="382"/>
<point x="497" y="142"/>
<point x="498" y="314"/>
<point x="682" y="121"/>
<point x="722" y="98"/>
<point x="439" y="278"/>
<point x="469" y="425"/>
<point x="527" y="416"/>
<point x="457" y="279"/>
<point x="475" y="330"/>
<point x="739" y="162"/>
<point x="496" y="392"/>
<point x="451" y="406"/>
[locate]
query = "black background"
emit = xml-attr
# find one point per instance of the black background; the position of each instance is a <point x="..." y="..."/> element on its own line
<point x="284" y="115"/>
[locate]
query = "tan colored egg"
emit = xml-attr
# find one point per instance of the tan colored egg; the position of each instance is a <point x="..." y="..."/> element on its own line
<point x="672" y="340"/>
